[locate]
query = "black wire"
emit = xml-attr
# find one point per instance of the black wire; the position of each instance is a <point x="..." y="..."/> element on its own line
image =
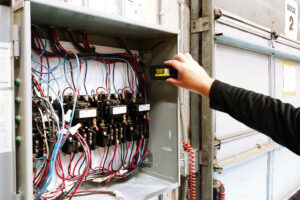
<point x="82" y="163"/>
<point x="106" y="157"/>
<point x="128" y="77"/>
<point x="114" y="66"/>
<point x="130" y="154"/>
<point x="69" y="167"/>
<point x="75" y="42"/>
<point x="71" y="68"/>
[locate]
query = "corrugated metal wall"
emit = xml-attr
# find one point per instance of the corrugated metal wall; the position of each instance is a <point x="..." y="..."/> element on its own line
<point x="272" y="174"/>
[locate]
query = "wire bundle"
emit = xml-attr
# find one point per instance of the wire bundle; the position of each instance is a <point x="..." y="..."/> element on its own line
<point x="55" y="130"/>
<point x="222" y="194"/>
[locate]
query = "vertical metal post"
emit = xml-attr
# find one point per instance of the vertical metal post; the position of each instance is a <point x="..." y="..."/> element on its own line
<point x="270" y="164"/>
<point x="195" y="98"/>
<point x="208" y="119"/>
<point x="195" y="101"/>
<point x="202" y="117"/>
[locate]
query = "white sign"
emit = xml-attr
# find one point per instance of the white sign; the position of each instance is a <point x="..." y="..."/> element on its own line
<point x="6" y="121"/>
<point x="289" y="79"/>
<point x="291" y="19"/>
<point x="5" y="65"/>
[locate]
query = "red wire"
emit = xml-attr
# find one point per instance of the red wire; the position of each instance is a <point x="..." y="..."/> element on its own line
<point x="127" y="87"/>
<point x="192" y="170"/>
<point x="77" y="163"/>
<point x="41" y="57"/>
<point x="112" y="158"/>
<point x="87" y="164"/>
<point x="102" y="88"/>
<point x="138" y="150"/>
<point x="102" y="160"/>
<point x="85" y="42"/>
<point x="39" y="86"/>
<point x="63" y="93"/>
<point x="223" y="189"/>
<point x="142" y="157"/>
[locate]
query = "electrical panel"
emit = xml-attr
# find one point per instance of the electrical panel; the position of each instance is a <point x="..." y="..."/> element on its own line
<point x="97" y="124"/>
<point x="68" y="127"/>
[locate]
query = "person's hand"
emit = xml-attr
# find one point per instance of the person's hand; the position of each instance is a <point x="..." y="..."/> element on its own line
<point x="191" y="75"/>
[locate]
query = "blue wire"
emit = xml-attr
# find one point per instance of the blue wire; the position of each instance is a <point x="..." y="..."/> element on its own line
<point x="84" y="82"/>
<point x="113" y="58"/>
<point x="58" y="145"/>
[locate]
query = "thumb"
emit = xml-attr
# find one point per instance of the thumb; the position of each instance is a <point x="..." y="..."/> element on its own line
<point x="173" y="81"/>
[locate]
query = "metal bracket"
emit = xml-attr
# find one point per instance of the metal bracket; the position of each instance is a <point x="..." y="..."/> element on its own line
<point x="200" y="25"/>
<point x="16" y="41"/>
<point x="203" y="157"/>
<point x="18" y="4"/>
<point x="217" y="143"/>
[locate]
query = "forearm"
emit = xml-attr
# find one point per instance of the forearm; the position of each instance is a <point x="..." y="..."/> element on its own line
<point x="270" y="116"/>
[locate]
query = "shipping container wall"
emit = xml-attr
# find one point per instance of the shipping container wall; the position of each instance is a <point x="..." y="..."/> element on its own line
<point x="253" y="166"/>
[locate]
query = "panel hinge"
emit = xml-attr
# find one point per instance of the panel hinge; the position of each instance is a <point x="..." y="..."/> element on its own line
<point x="203" y="157"/>
<point x="18" y="4"/>
<point x="16" y="41"/>
<point x="199" y="25"/>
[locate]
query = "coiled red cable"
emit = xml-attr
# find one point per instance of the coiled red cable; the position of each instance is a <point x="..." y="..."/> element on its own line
<point x="192" y="168"/>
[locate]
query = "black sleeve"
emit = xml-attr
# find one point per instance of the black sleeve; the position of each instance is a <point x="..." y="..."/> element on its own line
<point x="278" y="120"/>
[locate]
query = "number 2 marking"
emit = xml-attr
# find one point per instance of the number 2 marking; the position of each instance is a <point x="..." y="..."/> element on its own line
<point x="292" y="23"/>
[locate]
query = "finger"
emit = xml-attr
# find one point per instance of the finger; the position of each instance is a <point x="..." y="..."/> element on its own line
<point x="173" y="81"/>
<point x="175" y="64"/>
<point x="180" y="57"/>
<point x="189" y="56"/>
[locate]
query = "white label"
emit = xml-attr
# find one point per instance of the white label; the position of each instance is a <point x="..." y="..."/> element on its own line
<point x="6" y="121"/>
<point x="87" y="113"/>
<point x="289" y="79"/>
<point x="119" y="110"/>
<point x="291" y="19"/>
<point x="5" y="65"/>
<point x="144" y="107"/>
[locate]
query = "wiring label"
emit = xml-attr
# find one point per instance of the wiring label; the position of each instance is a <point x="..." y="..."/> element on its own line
<point x="5" y="65"/>
<point x="119" y="110"/>
<point x="88" y="113"/>
<point x="144" y="107"/>
<point x="5" y="121"/>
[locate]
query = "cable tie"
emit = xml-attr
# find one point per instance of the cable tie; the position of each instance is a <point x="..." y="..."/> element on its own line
<point x="68" y="116"/>
<point x="119" y="195"/>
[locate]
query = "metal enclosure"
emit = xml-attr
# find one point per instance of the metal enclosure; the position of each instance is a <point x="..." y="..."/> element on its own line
<point x="104" y="28"/>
